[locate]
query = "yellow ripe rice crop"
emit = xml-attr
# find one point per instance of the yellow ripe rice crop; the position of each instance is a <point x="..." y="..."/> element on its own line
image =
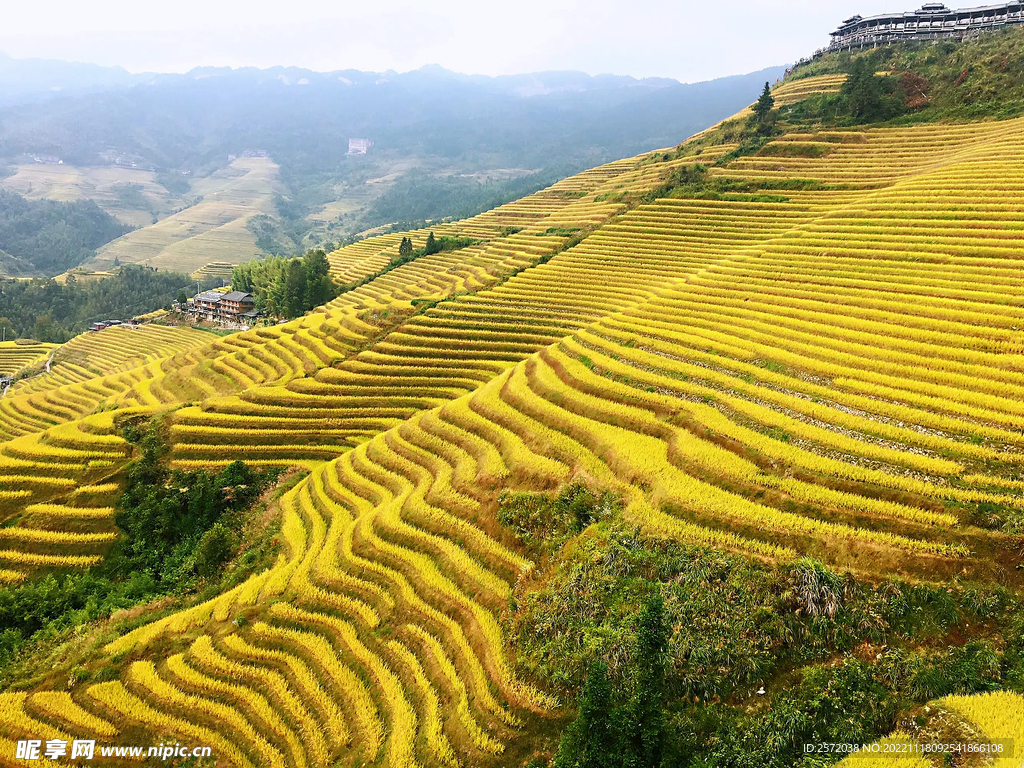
<point x="481" y="739"/>
<point x="52" y="537"/>
<point x="117" y="700"/>
<point x="833" y="368"/>
<point x="440" y="747"/>
<point x="18" y="724"/>
<point x="404" y="725"/>
<point x="63" y="510"/>
<point x="274" y="686"/>
<point x="895" y="751"/>
<point x="997" y="715"/>
<point x="308" y="688"/>
<point x="253" y="701"/>
<point x="368" y="727"/>
<point x="60" y="706"/>
<point x="143" y="675"/>
<point x="31" y="559"/>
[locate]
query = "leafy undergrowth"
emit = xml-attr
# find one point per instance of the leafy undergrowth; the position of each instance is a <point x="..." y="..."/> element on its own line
<point x="186" y="537"/>
<point x="982" y="77"/>
<point x="759" y="658"/>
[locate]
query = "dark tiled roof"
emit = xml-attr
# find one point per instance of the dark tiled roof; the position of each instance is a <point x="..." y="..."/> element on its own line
<point x="236" y="296"/>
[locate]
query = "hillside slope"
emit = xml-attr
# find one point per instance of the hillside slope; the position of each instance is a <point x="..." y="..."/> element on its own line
<point x="830" y="365"/>
<point x="444" y="144"/>
<point x="214" y="229"/>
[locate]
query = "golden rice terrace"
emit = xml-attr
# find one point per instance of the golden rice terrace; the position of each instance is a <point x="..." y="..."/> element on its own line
<point x="835" y="370"/>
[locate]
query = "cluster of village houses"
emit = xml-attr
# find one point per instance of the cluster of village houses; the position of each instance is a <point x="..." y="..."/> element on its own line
<point x="235" y="306"/>
<point x="100" y="325"/>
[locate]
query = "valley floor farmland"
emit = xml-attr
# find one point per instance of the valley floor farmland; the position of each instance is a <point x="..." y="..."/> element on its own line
<point x="214" y="229"/>
<point x="132" y="196"/>
<point x="834" y="370"/>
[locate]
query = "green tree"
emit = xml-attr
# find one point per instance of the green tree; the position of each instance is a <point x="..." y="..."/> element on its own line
<point x="167" y="515"/>
<point x="214" y="549"/>
<point x="294" y="288"/>
<point x="47" y="329"/>
<point x="319" y="286"/>
<point x="432" y="245"/>
<point x="633" y="735"/>
<point x="405" y="249"/>
<point x="643" y="718"/>
<point x="241" y="278"/>
<point x="763" y="105"/>
<point x="591" y="741"/>
<point x="7" y="331"/>
<point x="867" y="97"/>
<point x="182" y="297"/>
<point x="274" y="292"/>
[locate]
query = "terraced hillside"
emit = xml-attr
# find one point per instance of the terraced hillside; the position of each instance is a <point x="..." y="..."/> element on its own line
<point x="214" y="229"/>
<point x="834" y="368"/>
<point x="131" y="195"/>
<point x="15" y="357"/>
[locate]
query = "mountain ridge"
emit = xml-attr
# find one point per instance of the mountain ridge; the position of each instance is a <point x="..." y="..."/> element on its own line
<point x="30" y="80"/>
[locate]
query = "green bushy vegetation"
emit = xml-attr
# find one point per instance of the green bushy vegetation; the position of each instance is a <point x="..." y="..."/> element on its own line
<point x="632" y="734"/>
<point x="896" y="84"/>
<point x="286" y="287"/>
<point x="50" y="236"/>
<point x="289" y="287"/>
<point x="544" y="523"/>
<point x="865" y="97"/>
<point x="835" y="658"/>
<point x="46" y="310"/>
<point x="172" y="520"/>
<point x="179" y="530"/>
<point x="407" y="253"/>
<point x="693" y="181"/>
<point x="944" y="79"/>
<point x="48" y="608"/>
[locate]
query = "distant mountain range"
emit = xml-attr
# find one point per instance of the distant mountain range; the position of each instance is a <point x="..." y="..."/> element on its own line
<point x="443" y="143"/>
<point x="32" y="80"/>
<point x="27" y="80"/>
<point x="85" y="114"/>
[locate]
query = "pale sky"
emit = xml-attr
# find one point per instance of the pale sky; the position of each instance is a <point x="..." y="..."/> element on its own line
<point x="683" y="39"/>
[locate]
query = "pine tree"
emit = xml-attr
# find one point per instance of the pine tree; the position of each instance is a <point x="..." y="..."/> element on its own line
<point x="863" y="91"/>
<point x="590" y="742"/>
<point x="763" y="105"/>
<point x="432" y="245"/>
<point x="405" y="249"/>
<point x="643" y="718"/>
<point x="319" y="286"/>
